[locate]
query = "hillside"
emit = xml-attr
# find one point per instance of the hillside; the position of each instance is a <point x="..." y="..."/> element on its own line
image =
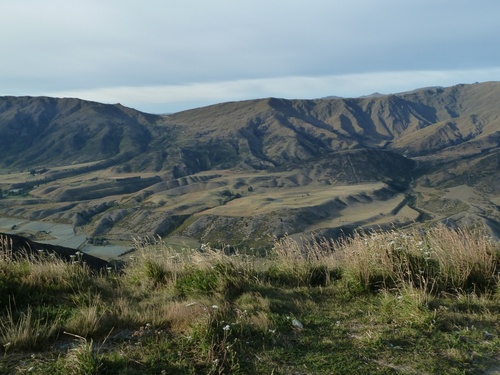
<point x="397" y="302"/>
<point x="256" y="168"/>
<point x="48" y="131"/>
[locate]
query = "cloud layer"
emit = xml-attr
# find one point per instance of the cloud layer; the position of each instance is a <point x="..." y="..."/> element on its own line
<point x="160" y="56"/>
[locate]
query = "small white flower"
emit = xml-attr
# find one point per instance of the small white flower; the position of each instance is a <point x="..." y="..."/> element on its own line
<point x="215" y="307"/>
<point x="227" y="327"/>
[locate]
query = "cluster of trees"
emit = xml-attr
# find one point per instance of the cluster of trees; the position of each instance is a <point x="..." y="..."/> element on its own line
<point x="227" y="196"/>
<point x="35" y="171"/>
<point x="98" y="241"/>
<point x="12" y="192"/>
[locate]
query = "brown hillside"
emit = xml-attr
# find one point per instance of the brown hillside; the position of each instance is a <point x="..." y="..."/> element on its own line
<point x="242" y="171"/>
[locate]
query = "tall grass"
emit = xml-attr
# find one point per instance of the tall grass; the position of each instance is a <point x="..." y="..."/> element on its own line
<point x="26" y="331"/>
<point x="83" y="359"/>
<point x="5" y="249"/>
<point x="437" y="259"/>
<point x="206" y="311"/>
<point x="307" y="262"/>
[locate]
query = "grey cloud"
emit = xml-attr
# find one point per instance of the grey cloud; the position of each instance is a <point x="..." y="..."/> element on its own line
<point x="56" y="46"/>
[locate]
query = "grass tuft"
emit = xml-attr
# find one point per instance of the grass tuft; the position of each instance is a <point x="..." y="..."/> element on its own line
<point x="22" y="331"/>
<point x="84" y="359"/>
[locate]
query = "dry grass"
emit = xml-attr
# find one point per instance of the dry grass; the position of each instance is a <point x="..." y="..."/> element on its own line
<point x="213" y="312"/>
<point x="26" y="331"/>
<point x="271" y="200"/>
<point x="438" y="259"/>
<point x="5" y="249"/>
<point x="86" y="321"/>
<point x="468" y="257"/>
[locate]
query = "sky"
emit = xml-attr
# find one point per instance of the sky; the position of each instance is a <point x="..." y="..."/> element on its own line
<point x="164" y="56"/>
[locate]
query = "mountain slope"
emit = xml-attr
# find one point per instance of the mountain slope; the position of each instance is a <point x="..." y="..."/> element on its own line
<point x="259" y="133"/>
<point x="242" y="171"/>
<point x="37" y="131"/>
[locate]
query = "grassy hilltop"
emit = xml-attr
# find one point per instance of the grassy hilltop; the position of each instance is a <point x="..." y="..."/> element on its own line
<point x="414" y="302"/>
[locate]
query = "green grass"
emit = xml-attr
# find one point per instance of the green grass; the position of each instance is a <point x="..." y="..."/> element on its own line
<point x="377" y="303"/>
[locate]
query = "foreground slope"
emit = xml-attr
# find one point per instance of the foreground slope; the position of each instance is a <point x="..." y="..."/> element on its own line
<point x="399" y="302"/>
<point x="238" y="172"/>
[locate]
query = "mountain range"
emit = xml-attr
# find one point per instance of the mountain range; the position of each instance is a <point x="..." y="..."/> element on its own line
<point x="242" y="172"/>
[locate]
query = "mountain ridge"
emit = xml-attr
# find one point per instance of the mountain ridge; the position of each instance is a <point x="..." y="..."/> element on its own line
<point x="186" y="164"/>
<point x="311" y="126"/>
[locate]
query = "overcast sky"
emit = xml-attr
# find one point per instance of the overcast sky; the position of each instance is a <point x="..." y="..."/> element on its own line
<point x="163" y="56"/>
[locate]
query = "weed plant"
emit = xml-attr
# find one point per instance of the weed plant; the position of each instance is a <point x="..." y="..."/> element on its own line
<point x="421" y="301"/>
